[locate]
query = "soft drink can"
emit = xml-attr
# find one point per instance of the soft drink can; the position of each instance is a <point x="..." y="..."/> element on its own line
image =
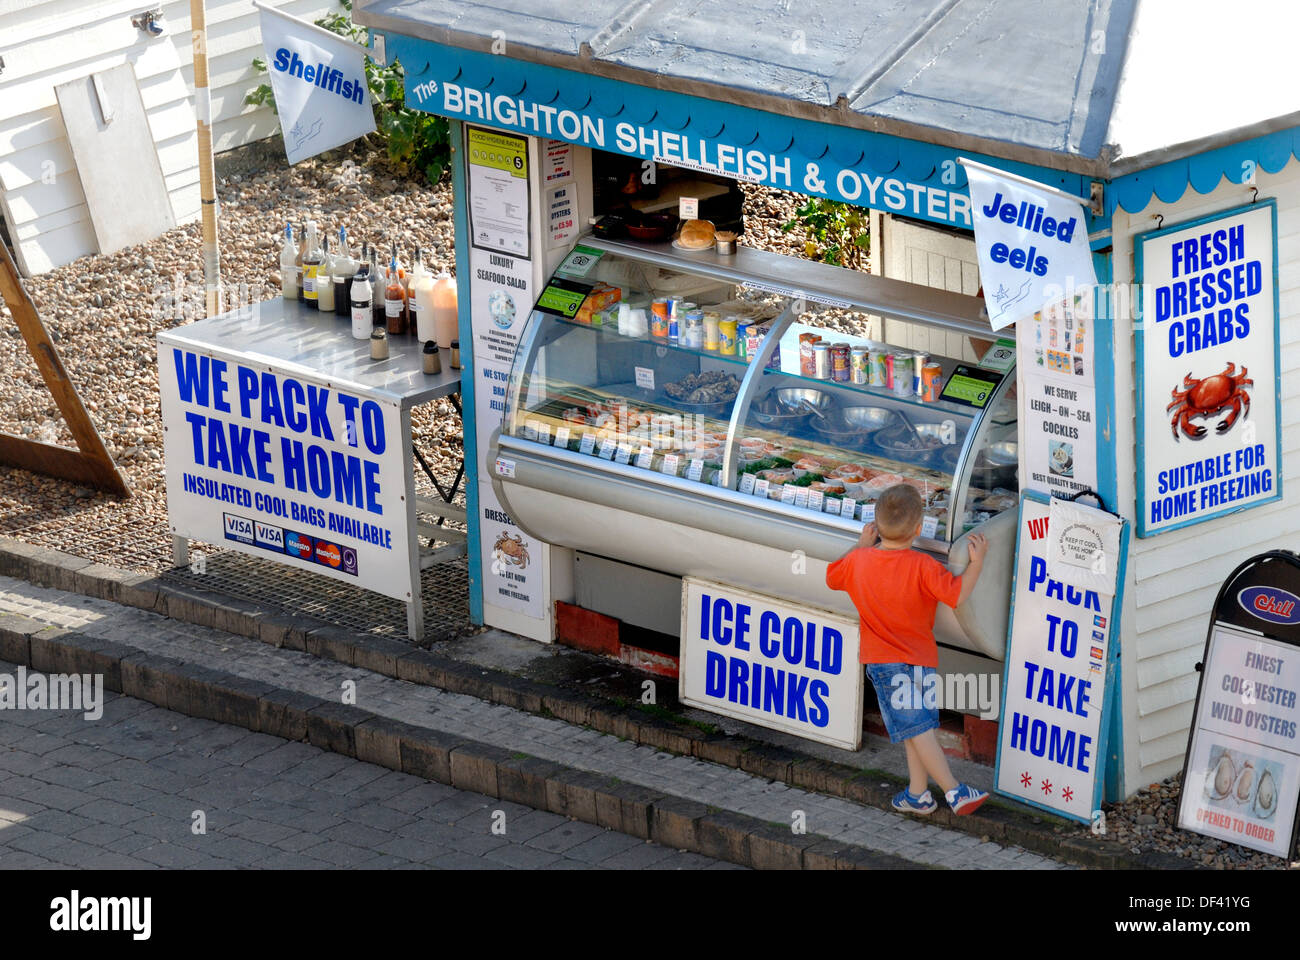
<point x="742" y="340"/>
<point x="887" y="362"/>
<point x="918" y="368"/>
<point x="858" y="365"/>
<point x="674" y="331"/>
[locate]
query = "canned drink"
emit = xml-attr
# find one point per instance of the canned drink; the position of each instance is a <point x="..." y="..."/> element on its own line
<point x="754" y="340"/>
<point x="674" y="331"/>
<point x="840" y="362"/>
<point x="807" y="360"/>
<point x="902" y="375"/>
<point x="727" y="336"/>
<point x="918" y="368"/>
<point x="693" y="329"/>
<point x="887" y="361"/>
<point x="742" y="340"/>
<point x="712" y="331"/>
<point x="661" y="310"/>
<point x="932" y="382"/>
<point x="822" y="360"/>
<point x="858" y="365"/>
<point x="876" y="369"/>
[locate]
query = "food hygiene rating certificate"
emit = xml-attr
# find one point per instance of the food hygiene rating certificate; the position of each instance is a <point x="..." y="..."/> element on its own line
<point x="498" y="191"/>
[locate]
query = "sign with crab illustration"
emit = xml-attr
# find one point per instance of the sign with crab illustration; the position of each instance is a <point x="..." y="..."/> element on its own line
<point x="1209" y="434"/>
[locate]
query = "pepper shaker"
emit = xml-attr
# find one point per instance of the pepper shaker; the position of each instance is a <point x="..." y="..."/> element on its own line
<point x="455" y="354"/>
<point x="379" y="344"/>
<point x="432" y="361"/>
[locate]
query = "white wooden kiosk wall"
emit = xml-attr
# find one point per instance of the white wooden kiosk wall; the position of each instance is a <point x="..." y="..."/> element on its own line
<point x="1173" y="578"/>
<point x="48" y="42"/>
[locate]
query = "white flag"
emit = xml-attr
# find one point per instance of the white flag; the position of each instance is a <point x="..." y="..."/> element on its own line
<point x="1028" y="238"/>
<point x="319" y="81"/>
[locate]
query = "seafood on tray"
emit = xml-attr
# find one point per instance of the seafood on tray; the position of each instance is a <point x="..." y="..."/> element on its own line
<point x="712" y="386"/>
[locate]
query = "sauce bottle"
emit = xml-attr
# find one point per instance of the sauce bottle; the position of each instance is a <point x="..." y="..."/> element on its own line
<point x="444" y="309"/>
<point x="341" y="275"/>
<point x="394" y="300"/>
<point x="360" y="300"/>
<point x="297" y="261"/>
<point x="325" y="279"/>
<point x="288" y="266"/>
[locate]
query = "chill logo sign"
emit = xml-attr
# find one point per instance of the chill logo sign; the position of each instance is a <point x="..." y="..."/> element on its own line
<point x="319" y="81"/>
<point x="1208" y="398"/>
<point x="771" y="663"/>
<point x="1030" y="240"/>
<point x="269" y="463"/>
<point x="1051" y="740"/>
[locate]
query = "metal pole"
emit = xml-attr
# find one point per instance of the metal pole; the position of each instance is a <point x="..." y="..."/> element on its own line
<point x="207" y="176"/>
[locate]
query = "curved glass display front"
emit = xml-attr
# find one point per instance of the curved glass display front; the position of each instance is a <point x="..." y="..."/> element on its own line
<point x="733" y="382"/>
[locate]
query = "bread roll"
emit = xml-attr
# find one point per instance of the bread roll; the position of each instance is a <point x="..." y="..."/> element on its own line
<point x="696" y="234"/>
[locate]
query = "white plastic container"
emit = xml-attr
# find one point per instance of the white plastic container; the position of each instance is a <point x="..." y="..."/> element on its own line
<point x="443" y="311"/>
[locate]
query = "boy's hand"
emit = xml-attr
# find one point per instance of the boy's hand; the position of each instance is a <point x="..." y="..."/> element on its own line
<point x="978" y="545"/>
<point x="870" y="536"/>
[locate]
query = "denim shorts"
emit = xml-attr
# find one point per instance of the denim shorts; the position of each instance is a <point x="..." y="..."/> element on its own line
<point x="901" y="699"/>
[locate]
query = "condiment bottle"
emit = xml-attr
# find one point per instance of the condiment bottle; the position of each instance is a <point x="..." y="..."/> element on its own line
<point x="297" y="261"/>
<point x="341" y="275"/>
<point x="379" y="344"/>
<point x="311" y="261"/>
<point x="421" y="300"/>
<point x="363" y="321"/>
<point x="325" y="279"/>
<point x="288" y="266"/>
<point x="432" y="361"/>
<point x="395" y="300"/>
<point x="444" y="309"/>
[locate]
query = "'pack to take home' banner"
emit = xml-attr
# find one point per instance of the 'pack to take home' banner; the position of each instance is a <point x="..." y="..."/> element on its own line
<point x="319" y="81"/>
<point x="1031" y="241"/>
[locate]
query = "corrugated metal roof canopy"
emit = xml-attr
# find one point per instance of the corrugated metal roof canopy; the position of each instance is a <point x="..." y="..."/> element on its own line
<point x="1023" y="79"/>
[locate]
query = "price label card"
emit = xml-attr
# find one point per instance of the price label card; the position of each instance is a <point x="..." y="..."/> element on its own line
<point x="761" y="487"/>
<point x="688" y="208"/>
<point x="530" y="430"/>
<point x="930" y="527"/>
<point x="788" y="493"/>
<point x="544" y="433"/>
<point x="816" y="500"/>
<point x="868" y="512"/>
<point x="801" y="497"/>
<point x="562" y="437"/>
<point x="645" y="457"/>
<point x="747" y="482"/>
<point x="695" y="470"/>
<point x="645" y="378"/>
<point x="588" y="443"/>
<point x="624" y="453"/>
<point x="669" y="466"/>
<point x="832" y="506"/>
<point x="607" y="449"/>
<point x="847" y="506"/>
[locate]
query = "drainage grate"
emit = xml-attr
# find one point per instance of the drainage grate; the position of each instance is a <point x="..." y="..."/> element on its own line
<point x="445" y="588"/>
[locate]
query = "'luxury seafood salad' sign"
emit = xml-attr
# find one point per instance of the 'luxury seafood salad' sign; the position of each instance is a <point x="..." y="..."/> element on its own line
<point x="1208" y="402"/>
<point x="1243" y="769"/>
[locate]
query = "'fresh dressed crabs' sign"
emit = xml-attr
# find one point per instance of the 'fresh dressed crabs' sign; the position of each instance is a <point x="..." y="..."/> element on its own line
<point x="1207" y="347"/>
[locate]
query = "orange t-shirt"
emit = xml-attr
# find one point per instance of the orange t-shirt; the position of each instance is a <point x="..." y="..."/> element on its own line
<point x="896" y="593"/>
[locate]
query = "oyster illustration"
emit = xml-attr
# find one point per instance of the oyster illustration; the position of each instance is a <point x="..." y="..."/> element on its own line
<point x="1266" y="795"/>
<point x="1224" y="775"/>
<point x="1245" y="781"/>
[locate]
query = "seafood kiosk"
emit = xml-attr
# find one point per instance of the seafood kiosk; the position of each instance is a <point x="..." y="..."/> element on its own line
<point x="655" y="407"/>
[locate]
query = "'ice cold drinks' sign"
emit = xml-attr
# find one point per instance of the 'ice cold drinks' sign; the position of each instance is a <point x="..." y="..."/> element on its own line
<point x="772" y="663"/>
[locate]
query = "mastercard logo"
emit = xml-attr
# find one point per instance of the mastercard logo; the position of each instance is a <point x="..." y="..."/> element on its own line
<point x="328" y="553"/>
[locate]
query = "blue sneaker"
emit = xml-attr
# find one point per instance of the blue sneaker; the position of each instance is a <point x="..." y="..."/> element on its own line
<point x="965" y="799"/>
<point x="906" y="802"/>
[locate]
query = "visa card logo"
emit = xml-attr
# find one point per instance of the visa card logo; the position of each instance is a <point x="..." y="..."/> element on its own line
<point x="268" y="535"/>
<point x="1271" y="604"/>
<point x="238" y="528"/>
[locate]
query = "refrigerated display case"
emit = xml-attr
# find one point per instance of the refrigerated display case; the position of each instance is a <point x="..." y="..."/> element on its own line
<point x="708" y="438"/>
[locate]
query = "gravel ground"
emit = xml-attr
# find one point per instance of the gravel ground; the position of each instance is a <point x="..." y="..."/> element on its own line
<point x="1147" y="822"/>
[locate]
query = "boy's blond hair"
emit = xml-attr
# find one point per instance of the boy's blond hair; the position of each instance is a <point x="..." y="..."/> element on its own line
<point x="898" y="511"/>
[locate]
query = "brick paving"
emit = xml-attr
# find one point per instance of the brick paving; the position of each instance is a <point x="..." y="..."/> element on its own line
<point x="123" y="792"/>
<point x="721" y="787"/>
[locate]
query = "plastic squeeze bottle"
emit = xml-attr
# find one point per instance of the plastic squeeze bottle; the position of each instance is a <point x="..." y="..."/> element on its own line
<point x="444" y="310"/>
<point x="288" y="266"/>
<point x="422" y="301"/>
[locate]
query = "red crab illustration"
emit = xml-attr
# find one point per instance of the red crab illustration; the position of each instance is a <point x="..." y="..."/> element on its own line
<point x="1205" y="398"/>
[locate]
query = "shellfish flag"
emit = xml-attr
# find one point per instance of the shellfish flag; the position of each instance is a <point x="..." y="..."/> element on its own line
<point x="319" y="81"/>
<point x="1031" y="241"/>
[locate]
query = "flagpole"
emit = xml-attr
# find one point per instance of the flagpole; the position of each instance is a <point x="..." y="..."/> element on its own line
<point x="207" y="174"/>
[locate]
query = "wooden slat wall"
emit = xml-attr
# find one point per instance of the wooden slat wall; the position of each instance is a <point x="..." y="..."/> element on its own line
<point x="934" y="258"/>
<point x="47" y="42"/>
<point x="1173" y="578"/>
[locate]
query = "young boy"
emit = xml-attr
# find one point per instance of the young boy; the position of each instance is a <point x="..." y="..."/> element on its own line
<point x="896" y="590"/>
